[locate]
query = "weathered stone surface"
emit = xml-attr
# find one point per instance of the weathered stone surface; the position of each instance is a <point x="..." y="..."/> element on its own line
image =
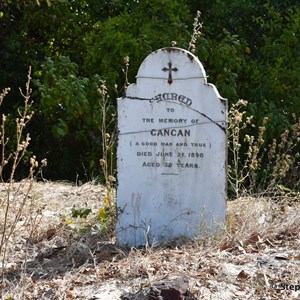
<point x="171" y="152"/>
<point x="172" y="288"/>
<point x="166" y="293"/>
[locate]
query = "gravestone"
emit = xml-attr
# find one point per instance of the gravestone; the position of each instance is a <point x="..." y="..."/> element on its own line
<point x="172" y="152"/>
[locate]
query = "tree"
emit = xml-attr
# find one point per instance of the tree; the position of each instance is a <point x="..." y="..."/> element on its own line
<point x="75" y="45"/>
<point x="72" y="46"/>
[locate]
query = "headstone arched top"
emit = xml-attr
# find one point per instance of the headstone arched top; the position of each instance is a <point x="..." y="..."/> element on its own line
<point x="161" y="64"/>
<point x="171" y="155"/>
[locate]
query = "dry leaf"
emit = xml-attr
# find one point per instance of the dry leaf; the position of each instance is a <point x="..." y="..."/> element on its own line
<point x="240" y="292"/>
<point x="243" y="275"/>
<point x="250" y="249"/>
<point x="151" y="269"/>
<point x="226" y="245"/>
<point x="50" y="233"/>
<point x="212" y="271"/>
<point x="241" y="249"/>
<point x="269" y="243"/>
<point x="296" y="256"/>
<point x="282" y="256"/>
<point x="71" y="293"/>
<point x="88" y="271"/>
<point x="254" y="238"/>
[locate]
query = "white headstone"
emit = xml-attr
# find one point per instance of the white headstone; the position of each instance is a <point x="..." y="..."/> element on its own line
<point x="172" y="152"/>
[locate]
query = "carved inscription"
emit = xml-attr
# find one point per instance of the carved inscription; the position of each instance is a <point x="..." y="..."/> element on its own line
<point x="171" y="154"/>
<point x="173" y="147"/>
<point x="173" y="97"/>
<point x="170" y="132"/>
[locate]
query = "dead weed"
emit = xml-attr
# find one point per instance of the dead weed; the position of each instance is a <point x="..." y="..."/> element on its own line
<point x="256" y="257"/>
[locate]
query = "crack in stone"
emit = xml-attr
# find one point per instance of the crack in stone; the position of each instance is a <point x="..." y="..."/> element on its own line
<point x="172" y="127"/>
<point x="195" y="110"/>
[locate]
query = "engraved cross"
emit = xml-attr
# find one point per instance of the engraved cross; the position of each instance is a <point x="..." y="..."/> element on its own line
<point x="170" y="69"/>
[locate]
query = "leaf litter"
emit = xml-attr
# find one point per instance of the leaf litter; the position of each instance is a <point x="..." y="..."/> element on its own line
<point x="256" y="257"/>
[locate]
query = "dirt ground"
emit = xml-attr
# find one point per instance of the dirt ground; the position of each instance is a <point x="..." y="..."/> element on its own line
<point x="52" y="255"/>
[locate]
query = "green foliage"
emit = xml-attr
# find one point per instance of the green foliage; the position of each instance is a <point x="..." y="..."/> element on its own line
<point x="69" y="101"/>
<point x="133" y="32"/>
<point x="224" y="60"/>
<point x="68" y="43"/>
<point x="103" y="220"/>
<point x="275" y="76"/>
<point x="81" y="213"/>
<point x="262" y="65"/>
<point x="70" y="106"/>
<point x="275" y="73"/>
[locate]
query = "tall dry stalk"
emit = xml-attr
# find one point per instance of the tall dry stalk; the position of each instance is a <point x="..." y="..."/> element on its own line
<point x="15" y="195"/>
<point x="197" y="26"/>
<point x="256" y="166"/>
<point x="107" y="212"/>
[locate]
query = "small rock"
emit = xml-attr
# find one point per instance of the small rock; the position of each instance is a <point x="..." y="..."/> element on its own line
<point x="172" y="288"/>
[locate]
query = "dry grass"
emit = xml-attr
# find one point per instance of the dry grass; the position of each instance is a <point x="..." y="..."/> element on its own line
<point x="266" y="217"/>
<point x="53" y="256"/>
